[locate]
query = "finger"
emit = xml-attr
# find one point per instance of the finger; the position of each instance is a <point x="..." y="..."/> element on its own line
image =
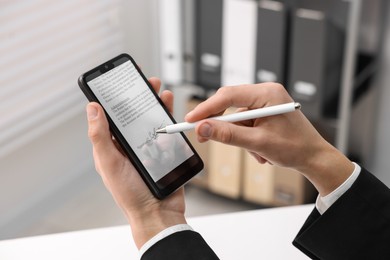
<point x="156" y="83"/>
<point x="100" y="135"/>
<point x="167" y="99"/>
<point x="229" y="133"/>
<point x="246" y="96"/>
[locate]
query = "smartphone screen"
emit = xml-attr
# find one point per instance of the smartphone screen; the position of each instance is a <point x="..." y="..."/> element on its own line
<point x="135" y="112"/>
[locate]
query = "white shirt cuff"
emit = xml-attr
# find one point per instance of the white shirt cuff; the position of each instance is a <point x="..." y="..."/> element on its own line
<point x="323" y="203"/>
<point x="163" y="234"/>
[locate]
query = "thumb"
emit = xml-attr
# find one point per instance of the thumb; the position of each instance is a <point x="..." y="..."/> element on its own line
<point x="99" y="132"/>
<point x="226" y="133"/>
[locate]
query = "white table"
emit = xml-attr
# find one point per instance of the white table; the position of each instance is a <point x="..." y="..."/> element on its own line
<point x="257" y="234"/>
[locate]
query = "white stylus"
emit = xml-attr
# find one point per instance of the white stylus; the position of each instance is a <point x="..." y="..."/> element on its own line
<point x="236" y="117"/>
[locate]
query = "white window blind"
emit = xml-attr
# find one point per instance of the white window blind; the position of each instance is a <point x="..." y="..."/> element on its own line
<point x="44" y="46"/>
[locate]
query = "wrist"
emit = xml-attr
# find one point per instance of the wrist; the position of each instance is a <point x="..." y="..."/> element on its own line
<point x="327" y="168"/>
<point x="145" y="225"/>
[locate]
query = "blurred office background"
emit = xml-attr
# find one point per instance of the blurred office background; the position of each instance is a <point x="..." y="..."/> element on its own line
<point x="48" y="182"/>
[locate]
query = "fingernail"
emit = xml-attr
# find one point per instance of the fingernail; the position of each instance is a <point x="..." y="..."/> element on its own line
<point x="205" y="130"/>
<point x="91" y="112"/>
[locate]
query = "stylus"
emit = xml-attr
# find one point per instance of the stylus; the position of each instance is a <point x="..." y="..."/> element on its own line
<point x="236" y="117"/>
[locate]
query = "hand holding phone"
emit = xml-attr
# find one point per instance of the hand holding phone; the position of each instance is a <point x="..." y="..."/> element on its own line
<point x="134" y="112"/>
<point x="146" y="214"/>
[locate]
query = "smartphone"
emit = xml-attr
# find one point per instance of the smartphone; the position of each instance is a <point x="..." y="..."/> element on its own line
<point x="134" y="112"/>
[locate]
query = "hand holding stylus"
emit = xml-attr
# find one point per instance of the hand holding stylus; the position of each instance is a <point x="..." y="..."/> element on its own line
<point x="236" y="117"/>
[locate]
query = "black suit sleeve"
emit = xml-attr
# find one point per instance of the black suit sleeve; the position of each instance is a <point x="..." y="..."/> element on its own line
<point x="356" y="226"/>
<point x="186" y="245"/>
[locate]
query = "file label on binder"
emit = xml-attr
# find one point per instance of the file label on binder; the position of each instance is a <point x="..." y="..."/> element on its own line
<point x="210" y="62"/>
<point x="305" y="88"/>
<point x="266" y="76"/>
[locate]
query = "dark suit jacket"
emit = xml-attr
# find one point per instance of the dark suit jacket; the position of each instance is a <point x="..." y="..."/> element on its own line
<point x="356" y="226"/>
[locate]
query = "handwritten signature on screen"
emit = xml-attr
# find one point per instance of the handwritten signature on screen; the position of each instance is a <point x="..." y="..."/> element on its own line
<point x="151" y="136"/>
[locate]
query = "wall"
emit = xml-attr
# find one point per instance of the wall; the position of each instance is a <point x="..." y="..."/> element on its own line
<point x="38" y="177"/>
<point x="141" y="18"/>
<point x="38" y="171"/>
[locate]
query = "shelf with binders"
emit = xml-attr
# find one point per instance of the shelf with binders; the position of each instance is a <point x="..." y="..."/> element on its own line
<point x="314" y="48"/>
<point x="230" y="42"/>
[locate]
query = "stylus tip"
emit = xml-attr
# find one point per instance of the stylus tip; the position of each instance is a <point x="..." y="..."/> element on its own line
<point x="161" y="131"/>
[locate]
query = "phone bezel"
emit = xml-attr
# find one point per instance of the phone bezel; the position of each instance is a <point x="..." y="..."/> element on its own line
<point x="172" y="180"/>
